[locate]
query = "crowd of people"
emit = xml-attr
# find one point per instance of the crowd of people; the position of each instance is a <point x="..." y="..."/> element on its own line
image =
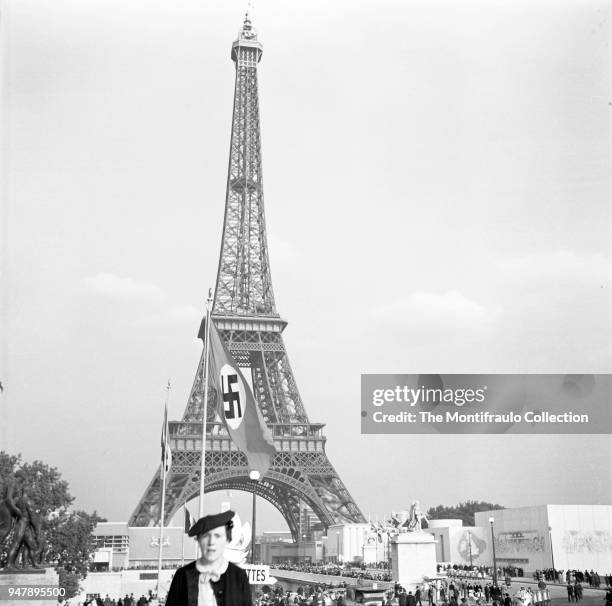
<point x="456" y="590"/>
<point x="355" y="572"/>
<point x="463" y="586"/>
<point x="482" y="571"/>
<point x="128" y="600"/>
<point x="451" y="592"/>
<point x="592" y="578"/>
<point x="321" y="595"/>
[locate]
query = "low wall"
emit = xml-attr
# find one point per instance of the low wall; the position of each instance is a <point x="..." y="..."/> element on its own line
<point x="118" y="584"/>
<point x="309" y="578"/>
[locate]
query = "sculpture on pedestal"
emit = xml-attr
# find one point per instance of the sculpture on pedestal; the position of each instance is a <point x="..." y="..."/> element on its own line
<point x="416" y="518"/>
<point x="402" y="521"/>
<point x="25" y="542"/>
<point x="413" y="551"/>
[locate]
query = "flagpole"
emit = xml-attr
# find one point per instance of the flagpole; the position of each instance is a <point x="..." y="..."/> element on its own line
<point x="183" y="541"/>
<point x="205" y="411"/>
<point x="163" y="492"/>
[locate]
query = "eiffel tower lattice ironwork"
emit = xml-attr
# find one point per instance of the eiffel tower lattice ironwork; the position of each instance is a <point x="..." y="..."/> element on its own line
<point x="245" y="314"/>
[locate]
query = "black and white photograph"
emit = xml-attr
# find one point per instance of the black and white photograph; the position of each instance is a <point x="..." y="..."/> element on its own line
<point x="381" y="375"/>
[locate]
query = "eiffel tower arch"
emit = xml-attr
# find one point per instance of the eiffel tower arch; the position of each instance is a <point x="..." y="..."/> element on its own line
<point x="245" y="314"/>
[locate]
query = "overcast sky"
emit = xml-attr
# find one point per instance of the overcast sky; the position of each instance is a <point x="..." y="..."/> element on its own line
<point x="437" y="188"/>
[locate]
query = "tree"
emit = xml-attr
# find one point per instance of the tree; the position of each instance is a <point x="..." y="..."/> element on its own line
<point x="462" y="511"/>
<point x="8" y="464"/>
<point x="70" y="582"/>
<point x="71" y="542"/>
<point x="68" y="535"/>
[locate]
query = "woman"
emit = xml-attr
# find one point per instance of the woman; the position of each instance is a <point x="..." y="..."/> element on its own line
<point x="211" y="580"/>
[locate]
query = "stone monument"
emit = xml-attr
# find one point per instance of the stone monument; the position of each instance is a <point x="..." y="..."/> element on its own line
<point x="25" y="587"/>
<point x="413" y="551"/>
<point x="20" y="525"/>
<point x="23" y="581"/>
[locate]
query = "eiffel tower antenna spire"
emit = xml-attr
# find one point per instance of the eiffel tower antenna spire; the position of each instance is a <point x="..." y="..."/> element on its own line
<point x="245" y="315"/>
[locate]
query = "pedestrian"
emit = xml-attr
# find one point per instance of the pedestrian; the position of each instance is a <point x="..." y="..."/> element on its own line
<point x="578" y="592"/>
<point x="570" y="592"/>
<point x="211" y="579"/>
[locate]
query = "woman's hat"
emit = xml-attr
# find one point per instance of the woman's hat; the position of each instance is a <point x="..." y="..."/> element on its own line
<point x="209" y="522"/>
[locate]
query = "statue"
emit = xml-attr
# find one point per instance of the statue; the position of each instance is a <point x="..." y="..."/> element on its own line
<point x="415" y="518"/>
<point x="400" y="519"/>
<point x="6" y="519"/>
<point x="17" y="514"/>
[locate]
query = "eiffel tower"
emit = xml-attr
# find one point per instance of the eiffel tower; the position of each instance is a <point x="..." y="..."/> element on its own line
<point x="245" y="314"/>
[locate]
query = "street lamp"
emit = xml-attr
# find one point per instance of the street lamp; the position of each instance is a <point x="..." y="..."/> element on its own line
<point x="469" y="534"/>
<point x="491" y="521"/>
<point x="254" y="476"/>
<point x="338" y="544"/>
<point x="552" y="557"/>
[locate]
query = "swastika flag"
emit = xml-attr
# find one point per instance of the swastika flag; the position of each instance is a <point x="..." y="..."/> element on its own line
<point x="189" y="519"/>
<point x="237" y="407"/>
<point x="166" y="453"/>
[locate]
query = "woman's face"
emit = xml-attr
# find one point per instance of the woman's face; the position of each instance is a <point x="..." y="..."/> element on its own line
<point x="213" y="544"/>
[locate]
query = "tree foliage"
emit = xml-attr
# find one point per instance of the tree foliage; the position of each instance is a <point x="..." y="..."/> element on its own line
<point x="70" y="581"/>
<point x="46" y="489"/>
<point x="68" y="536"/>
<point x="462" y="511"/>
<point x="71" y="542"/>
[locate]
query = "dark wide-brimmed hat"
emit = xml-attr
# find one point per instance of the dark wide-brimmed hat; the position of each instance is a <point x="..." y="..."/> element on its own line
<point x="209" y="522"/>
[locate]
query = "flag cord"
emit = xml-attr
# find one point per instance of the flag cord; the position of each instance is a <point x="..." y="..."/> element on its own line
<point x="205" y="411"/>
<point x="163" y="490"/>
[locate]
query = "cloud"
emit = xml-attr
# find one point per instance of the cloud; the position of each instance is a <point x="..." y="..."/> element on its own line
<point x="124" y="289"/>
<point x="558" y="266"/>
<point x="430" y="310"/>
